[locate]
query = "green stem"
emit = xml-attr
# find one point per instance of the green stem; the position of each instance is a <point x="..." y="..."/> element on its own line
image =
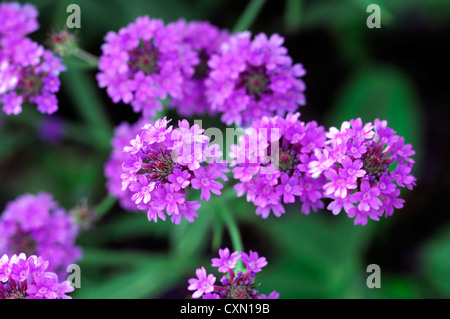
<point x="234" y="232"/>
<point x="87" y="57"/>
<point x="89" y="105"/>
<point x="248" y="17"/>
<point x="104" y="206"/>
<point x="217" y="234"/>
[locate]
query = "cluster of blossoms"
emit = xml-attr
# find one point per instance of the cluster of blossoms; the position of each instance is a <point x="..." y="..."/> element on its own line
<point x="271" y="162"/>
<point x="235" y="284"/>
<point x="205" y="40"/>
<point x="163" y="163"/>
<point x="144" y="63"/>
<point x="36" y="224"/>
<point x="28" y="72"/>
<point x="365" y="166"/>
<point x="250" y="79"/>
<point x="201" y="69"/>
<point x="29" y="278"/>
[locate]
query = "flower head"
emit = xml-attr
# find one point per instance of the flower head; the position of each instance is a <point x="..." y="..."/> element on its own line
<point x="271" y="160"/>
<point x="27" y="71"/>
<point x="35" y="224"/>
<point x="164" y="163"/>
<point x="143" y="63"/>
<point x="250" y="79"/>
<point x="29" y="278"/>
<point x="364" y="165"/>
<point x="202" y="40"/>
<point x="235" y="284"/>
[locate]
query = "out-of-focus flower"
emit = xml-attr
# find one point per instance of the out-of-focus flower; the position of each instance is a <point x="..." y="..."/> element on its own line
<point x="28" y="73"/>
<point x="36" y="224"/>
<point x="203" y="40"/>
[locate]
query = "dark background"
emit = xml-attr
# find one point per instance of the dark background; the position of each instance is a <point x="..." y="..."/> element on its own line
<point x="398" y="72"/>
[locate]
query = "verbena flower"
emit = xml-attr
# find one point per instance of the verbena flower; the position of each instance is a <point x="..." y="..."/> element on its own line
<point x="30" y="278"/>
<point x="234" y="284"/>
<point x="271" y="162"/>
<point x="36" y="224"/>
<point x="365" y="166"/>
<point x="250" y="79"/>
<point x="202" y="40"/>
<point x="164" y="163"/>
<point x="18" y="20"/>
<point x="28" y="73"/>
<point x="123" y="133"/>
<point x="143" y="63"/>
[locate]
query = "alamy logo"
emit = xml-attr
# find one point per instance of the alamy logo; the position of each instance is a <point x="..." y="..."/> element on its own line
<point x="74" y="19"/>
<point x="75" y="275"/>
<point x="374" y="279"/>
<point x="374" y="19"/>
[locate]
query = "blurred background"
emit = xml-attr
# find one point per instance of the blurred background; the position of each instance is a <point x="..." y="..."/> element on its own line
<point x="398" y="72"/>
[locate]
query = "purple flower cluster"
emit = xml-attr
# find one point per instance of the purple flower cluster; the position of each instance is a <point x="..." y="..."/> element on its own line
<point x="36" y="224"/>
<point x="27" y="71"/>
<point x="235" y="284"/>
<point x="271" y="162"/>
<point x="163" y="163"/>
<point x="200" y="68"/>
<point x="250" y="79"/>
<point x="30" y="278"/>
<point x="204" y="39"/>
<point x="365" y="166"/>
<point x="123" y="134"/>
<point x="145" y="63"/>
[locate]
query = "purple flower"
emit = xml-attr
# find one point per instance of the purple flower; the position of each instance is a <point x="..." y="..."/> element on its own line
<point x="357" y="162"/>
<point x="206" y="182"/>
<point x="237" y="285"/>
<point x="202" y="40"/>
<point x="226" y="261"/>
<point x="143" y="64"/>
<point x="167" y="198"/>
<point x="163" y="162"/>
<point x="51" y="129"/>
<point x="271" y="162"/>
<point x="142" y="189"/>
<point x="179" y="179"/>
<point x="35" y="224"/>
<point x="18" y="19"/>
<point x="250" y="79"/>
<point x="204" y="283"/>
<point x="253" y="262"/>
<point x="29" y="278"/>
<point x="336" y="205"/>
<point x="28" y="73"/>
<point x="272" y="295"/>
<point x="288" y="188"/>
<point x="367" y="197"/>
<point x="338" y="184"/>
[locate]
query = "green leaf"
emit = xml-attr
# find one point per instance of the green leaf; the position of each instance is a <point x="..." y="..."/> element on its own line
<point x="314" y="256"/>
<point x="435" y="260"/>
<point x="189" y="239"/>
<point x="138" y="275"/>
